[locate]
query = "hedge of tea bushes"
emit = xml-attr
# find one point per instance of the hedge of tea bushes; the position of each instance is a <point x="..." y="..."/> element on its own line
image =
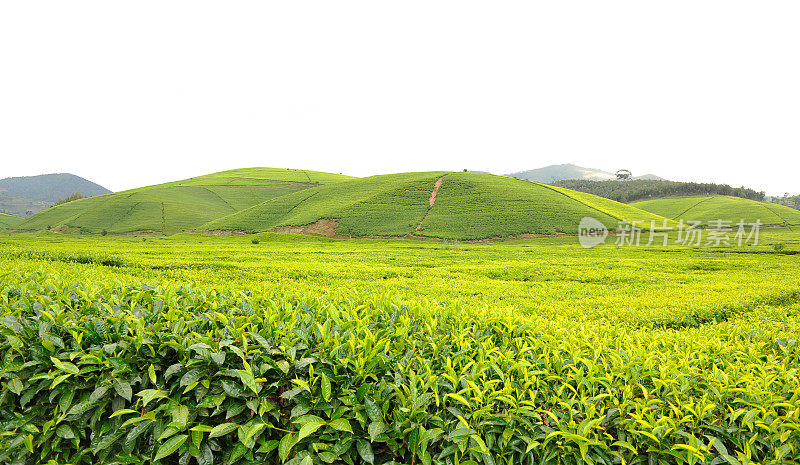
<point x="97" y="372"/>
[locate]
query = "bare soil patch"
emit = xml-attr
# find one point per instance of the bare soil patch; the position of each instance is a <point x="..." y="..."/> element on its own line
<point x="323" y="227"/>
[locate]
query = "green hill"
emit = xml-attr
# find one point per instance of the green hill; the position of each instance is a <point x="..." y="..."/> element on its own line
<point x="177" y="206"/>
<point x="9" y="221"/>
<point x="467" y="206"/>
<point x="733" y="209"/>
<point x="385" y="205"/>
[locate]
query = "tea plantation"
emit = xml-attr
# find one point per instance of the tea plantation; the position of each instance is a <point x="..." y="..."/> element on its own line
<point x="467" y="206"/>
<point x="306" y="350"/>
<point x="9" y="221"/>
<point x="729" y="209"/>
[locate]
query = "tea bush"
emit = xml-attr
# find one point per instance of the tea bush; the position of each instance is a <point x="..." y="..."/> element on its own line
<point x="103" y="373"/>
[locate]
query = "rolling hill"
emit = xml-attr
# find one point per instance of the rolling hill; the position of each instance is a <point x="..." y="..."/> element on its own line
<point x="25" y="195"/>
<point x="733" y="209"/>
<point x="465" y="206"/>
<point x="9" y="221"/>
<point x="176" y="206"/>
<point x="555" y="173"/>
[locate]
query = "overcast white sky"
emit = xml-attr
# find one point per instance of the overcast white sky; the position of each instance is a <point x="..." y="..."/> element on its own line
<point x="134" y="93"/>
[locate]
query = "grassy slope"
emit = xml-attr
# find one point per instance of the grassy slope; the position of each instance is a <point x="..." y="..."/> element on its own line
<point x="617" y="210"/>
<point x="385" y="205"/>
<point x="474" y="206"/>
<point x="178" y="206"/>
<point x="468" y="206"/>
<point x="9" y="221"/>
<point x="733" y="209"/>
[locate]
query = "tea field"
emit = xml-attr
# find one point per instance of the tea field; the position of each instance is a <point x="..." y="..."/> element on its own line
<point x="277" y="348"/>
<point x="8" y="221"/>
<point x="467" y="206"/>
<point x="730" y="209"/>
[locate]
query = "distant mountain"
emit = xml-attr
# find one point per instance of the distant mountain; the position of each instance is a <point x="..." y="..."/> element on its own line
<point x="649" y="177"/>
<point x="555" y="173"/>
<point x="23" y="196"/>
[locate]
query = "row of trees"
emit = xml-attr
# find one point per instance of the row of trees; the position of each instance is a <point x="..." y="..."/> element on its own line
<point x="642" y="189"/>
<point x="75" y="196"/>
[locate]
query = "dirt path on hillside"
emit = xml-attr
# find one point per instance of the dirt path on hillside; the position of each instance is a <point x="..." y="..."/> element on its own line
<point x="431" y="201"/>
<point x="435" y="191"/>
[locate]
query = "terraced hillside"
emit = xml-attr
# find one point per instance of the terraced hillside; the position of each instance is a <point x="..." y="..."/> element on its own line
<point x="476" y="206"/>
<point x="466" y="206"/>
<point x="9" y="221"/>
<point x="733" y="209"/>
<point x="385" y="205"/>
<point x="177" y="206"/>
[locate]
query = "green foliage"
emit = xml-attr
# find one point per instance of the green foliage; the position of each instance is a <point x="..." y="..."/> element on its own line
<point x="103" y="373"/>
<point x="9" y="221"/>
<point x="71" y="198"/>
<point x="68" y="257"/>
<point x="731" y="209"/>
<point x="312" y="351"/>
<point x="641" y="189"/>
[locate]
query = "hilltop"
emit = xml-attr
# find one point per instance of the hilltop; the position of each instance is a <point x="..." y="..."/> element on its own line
<point x="554" y="173"/>
<point x="726" y="208"/>
<point x="24" y="195"/>
<point x="450" y="205"/>
<point x="176" y="206"/>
